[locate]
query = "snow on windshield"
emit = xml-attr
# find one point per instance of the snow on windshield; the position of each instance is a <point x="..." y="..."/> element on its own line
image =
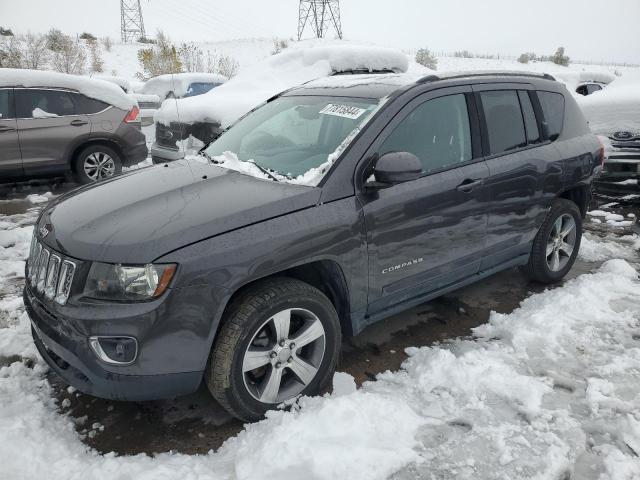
<point x="91" y="87"/>
<point x="293" y="139"/>
<point x="298" y="64"/>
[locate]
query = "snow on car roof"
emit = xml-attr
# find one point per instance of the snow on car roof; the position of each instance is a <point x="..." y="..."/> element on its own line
<point x="99" y="89"/>
<point x="178" y="83"/>
<point x="615" y="108"/>
<point x="374" y="85"/>
<point x="298" y="64"/>
<point x="120" y="81"/>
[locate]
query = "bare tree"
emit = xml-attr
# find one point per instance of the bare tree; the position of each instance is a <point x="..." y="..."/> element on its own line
<point x="97" y="64"/>
<point x="35" y="52"/>
<point x="227" y="66"/>
<point x="69" y="56"/>
<point x="10" y="52"/>
<point x="191" y="57"/>
<point x="107" y="43"/>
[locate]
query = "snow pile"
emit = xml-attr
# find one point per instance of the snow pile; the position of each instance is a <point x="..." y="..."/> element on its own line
<point x="99" y="89"/>
<point x="615" y="108"/>
<point x="178" y="83"/>
<point x="298" y="64"/>
<point x="597" y="249"/>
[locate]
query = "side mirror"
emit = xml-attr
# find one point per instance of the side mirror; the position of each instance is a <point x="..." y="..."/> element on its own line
<point x="396" y="167"/>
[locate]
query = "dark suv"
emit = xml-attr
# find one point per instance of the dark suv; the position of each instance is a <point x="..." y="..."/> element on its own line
<point x="344" y="201"/>
<point x="54" y="129"/>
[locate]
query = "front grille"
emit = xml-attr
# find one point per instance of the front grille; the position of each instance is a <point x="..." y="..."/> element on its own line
<point x="49" y="272"/>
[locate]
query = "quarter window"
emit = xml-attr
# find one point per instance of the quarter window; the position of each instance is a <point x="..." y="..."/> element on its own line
<point x="553" y="110"/>
<point x="6" y="107"/>
<point x="530" y="122"/>
<point x="505" y="126"/>
<point x="437" y="132"/>
<point x="88" y="105"/>
<point x="34" y="103"/>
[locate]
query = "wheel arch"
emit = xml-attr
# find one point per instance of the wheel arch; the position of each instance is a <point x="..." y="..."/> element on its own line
<point x="580" y="195"/>
<point x="325" y="275"/>
<point x="89" y="143"/>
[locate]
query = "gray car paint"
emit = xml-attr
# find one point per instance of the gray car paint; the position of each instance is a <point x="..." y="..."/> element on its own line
<point x="47" y="146"/>
<point x="227" y="230"/>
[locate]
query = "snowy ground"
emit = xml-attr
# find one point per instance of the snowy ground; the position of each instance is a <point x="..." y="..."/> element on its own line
<point x="550" y="390"/>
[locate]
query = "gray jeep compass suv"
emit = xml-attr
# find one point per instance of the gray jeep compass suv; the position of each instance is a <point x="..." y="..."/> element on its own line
<point x="329" y="208"/>
<point x="48" y="128"/>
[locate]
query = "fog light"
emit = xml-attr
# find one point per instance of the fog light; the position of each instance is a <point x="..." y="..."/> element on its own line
<point x="115" y="350"/>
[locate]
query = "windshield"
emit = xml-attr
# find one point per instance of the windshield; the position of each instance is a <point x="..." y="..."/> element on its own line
<point x="199" y="88"/>
<point x="292" y="136"/>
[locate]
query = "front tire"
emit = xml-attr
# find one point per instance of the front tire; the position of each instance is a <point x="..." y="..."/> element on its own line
<point x="96" y="163"/>
<point x="279" y="339"/>
<point x="556" y="245"/>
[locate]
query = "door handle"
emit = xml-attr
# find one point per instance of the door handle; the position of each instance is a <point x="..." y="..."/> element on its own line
<point x="469" y="184"/>
<point x="6" y="129"/>
<point x="79" y="123"/>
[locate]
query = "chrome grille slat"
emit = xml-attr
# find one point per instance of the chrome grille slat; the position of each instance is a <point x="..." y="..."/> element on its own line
<point x="49" y="272"/>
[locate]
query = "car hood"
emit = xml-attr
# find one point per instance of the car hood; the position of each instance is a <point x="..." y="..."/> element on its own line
<point x="143" y="215"/>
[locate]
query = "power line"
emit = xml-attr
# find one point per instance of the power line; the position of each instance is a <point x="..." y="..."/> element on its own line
<point x="320" y="14"/>
<point x="131" y="22"/>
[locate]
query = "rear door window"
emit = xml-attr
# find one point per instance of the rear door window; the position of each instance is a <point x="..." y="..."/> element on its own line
<point x="530" y="122"/>
<point x="34" y="103"/>
<point x="503" y="117"/>
<point x="6" y="104"/>
<point x="553" y="110"/>
<point x="437" y="132"/>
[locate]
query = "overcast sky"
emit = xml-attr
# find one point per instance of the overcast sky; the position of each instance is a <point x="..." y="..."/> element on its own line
<point x="609" y="31"/>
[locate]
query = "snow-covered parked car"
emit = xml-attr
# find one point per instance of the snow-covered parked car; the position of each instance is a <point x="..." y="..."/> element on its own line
<point x="53" y="124"/>
<point x="584" y="82"/>
<point x="614" y="114"/>
<point x="147" y="103"/>
<point x="207" y="116"/>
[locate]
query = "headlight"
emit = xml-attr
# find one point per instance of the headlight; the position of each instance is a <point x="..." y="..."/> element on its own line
<point x="128" y="282"/>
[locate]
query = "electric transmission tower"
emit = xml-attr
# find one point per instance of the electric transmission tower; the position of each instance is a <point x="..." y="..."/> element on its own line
<point x="131" y="23"/>
<point x="321" y="14"/>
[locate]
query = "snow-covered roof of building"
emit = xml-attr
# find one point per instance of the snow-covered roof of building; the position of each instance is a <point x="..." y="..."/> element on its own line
<point x="297" y="64"/>
<point x="178" y="83"/>
<point x="91" y="87"/>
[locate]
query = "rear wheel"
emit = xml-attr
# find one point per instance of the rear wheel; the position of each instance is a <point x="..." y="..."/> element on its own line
<point x="97" y="162"/>
<point x="556" y="245"/>
<point x="278" y="340"/>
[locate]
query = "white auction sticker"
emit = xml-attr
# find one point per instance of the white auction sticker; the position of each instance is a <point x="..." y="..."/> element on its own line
<point x="345" y="111"/>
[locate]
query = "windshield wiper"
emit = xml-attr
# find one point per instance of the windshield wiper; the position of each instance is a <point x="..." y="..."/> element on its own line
<point x="207" y="156"/>
<point x="266" y="172"/>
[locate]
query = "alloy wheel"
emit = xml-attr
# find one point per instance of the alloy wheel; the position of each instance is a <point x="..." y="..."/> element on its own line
<point x="284" y="355"/>
<point x="98" y="166"/>
<point x="561" y="242"/>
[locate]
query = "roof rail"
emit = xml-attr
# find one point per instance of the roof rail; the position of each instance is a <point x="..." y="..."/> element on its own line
<point x="491" y="73"/>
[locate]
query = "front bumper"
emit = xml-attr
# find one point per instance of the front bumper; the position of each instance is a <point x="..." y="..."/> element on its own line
<point x="160" y="154"/>
<point x="64" y="345"/>
<point x="621" y="176"/>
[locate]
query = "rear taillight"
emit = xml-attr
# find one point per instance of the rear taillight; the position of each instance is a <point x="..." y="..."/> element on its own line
<point x="132" y="116"/>
<point x="601" y="154"/>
